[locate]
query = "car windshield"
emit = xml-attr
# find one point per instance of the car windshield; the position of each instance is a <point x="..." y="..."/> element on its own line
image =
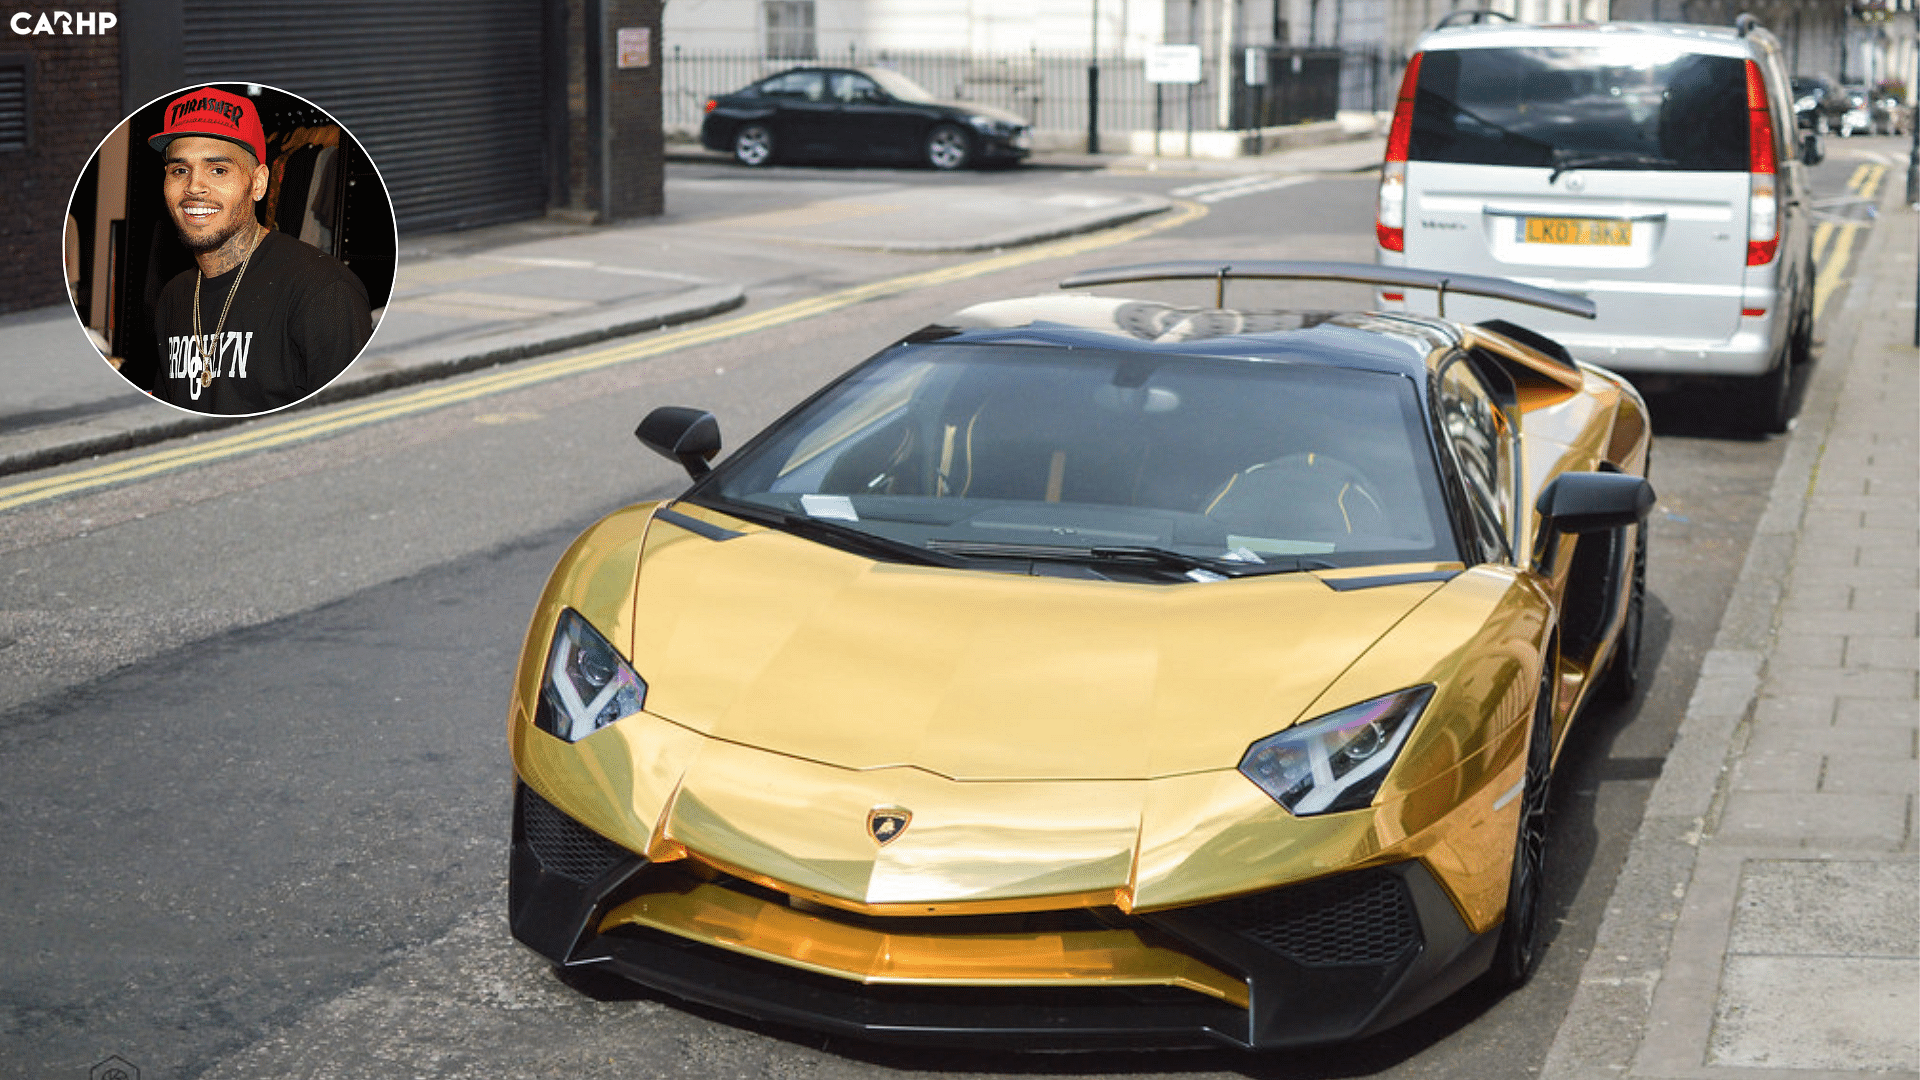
<point x="898" y="85"/>
<point x="1581" y="107"/>
<point x="1157" y="464"/>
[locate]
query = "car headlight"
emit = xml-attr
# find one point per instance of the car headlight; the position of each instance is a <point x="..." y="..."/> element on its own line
<point x="991" y="126"/>
<point x="1337" y="761"/>
<point x="587" y="684"/>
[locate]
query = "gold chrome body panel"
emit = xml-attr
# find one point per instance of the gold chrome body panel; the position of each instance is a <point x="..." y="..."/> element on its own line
<point x="1062" y="745"/>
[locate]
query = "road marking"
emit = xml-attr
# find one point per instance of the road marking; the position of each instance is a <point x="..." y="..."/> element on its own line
<point x="1821" y="234"/>
<point x="329" y="421"/>
<point x="1832" y="258"/>
<point x="1220" y="190"/>
<point x="1831" y="270"/>
<point x="1871" y="183"/>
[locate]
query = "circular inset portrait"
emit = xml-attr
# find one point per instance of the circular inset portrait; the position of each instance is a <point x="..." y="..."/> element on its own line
<point x="229" y="248"/>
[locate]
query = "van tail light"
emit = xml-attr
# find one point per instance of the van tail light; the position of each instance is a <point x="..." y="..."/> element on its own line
<point x="1390" y="221"/>
<point x="1763" y="205"/>
<point x="712" y="104"/>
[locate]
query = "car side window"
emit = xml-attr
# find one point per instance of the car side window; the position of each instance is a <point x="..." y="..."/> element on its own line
<point x="800" y="85"/>
<point x="850" y="87"/>
<point x="1476" y="432"/>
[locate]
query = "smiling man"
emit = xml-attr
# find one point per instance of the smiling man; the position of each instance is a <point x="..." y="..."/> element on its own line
<point x="263" y="320"/>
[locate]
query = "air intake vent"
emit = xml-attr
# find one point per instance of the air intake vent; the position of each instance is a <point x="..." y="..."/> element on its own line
<point x="1364" y="918"/>
<point x="563" y="845"/>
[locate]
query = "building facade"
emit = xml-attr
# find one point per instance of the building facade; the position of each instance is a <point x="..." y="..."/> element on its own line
<point x="475" y="112"/>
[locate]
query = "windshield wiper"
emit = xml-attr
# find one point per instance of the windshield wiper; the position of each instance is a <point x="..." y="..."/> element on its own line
<point x="833" y="533"/>
<point x="1125" y="555"/>
<point x="1565" y="160"/>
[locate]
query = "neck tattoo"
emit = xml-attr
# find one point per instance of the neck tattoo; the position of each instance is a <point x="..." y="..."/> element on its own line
<point x="210" y="363"/>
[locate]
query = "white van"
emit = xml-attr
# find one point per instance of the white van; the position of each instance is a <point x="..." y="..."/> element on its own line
<point x="1652" y="168"/>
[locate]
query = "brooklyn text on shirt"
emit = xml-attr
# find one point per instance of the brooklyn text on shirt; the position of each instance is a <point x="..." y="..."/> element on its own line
<point x="186" y="358"/>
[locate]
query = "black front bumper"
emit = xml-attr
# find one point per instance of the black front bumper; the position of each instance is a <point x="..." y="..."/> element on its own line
<point x="1328" y="961"/>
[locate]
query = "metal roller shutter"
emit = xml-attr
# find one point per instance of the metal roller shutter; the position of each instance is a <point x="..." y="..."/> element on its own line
<point x="446" y="97"/>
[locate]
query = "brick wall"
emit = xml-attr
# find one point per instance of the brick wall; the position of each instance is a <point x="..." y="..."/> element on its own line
<point x="637" y="145"/>
<point x="73" y="101"/>
<point x="634" y="168"/>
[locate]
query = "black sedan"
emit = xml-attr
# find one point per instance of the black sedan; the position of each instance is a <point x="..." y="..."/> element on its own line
<point x="858" y="114"/>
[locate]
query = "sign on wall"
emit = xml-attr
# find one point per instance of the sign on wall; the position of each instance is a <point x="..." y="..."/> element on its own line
<point x="1173" y="64"/>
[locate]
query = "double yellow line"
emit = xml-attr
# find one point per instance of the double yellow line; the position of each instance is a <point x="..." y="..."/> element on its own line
<point x="317" y="424"/>
<point x="1832" y="260"/>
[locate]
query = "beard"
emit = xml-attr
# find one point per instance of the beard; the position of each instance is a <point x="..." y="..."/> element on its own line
<point x="199" y="245"/>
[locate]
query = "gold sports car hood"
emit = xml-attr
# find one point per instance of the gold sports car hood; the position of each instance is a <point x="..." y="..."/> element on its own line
<point x="776" y="643"/>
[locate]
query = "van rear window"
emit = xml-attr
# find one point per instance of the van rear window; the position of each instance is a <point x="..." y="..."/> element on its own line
<point x="1566" y="108"/>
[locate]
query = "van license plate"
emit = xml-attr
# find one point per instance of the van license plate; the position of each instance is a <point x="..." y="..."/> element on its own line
<point x="1556" y="230"/>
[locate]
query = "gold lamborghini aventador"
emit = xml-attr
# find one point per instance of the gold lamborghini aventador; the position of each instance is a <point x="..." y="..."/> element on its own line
<point x="1085" y="671"/>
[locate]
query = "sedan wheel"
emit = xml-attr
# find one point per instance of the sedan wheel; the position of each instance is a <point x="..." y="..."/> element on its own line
<point x="948" y="148"/>
<point x="753" y="145"/>
<point x="1518" y="951"/>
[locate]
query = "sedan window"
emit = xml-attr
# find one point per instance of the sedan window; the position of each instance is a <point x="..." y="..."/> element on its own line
<point x="853" y="88"/>
<point x="801" y="85"/>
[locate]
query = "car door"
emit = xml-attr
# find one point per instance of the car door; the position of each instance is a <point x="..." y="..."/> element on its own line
<point x="1599" y="168"/>
<point x="804" y="117"/>
<point x="872" y="123"/>
<point x="1794" y="263"/>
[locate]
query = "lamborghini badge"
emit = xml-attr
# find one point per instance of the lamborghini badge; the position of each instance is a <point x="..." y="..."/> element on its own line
<point x="886" y="823"/>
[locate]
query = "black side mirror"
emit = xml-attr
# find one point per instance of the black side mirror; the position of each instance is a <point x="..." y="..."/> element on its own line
<point x="1586" y="502"/>
<point x="1811" y="150"/>
<point x="689" y="436"/>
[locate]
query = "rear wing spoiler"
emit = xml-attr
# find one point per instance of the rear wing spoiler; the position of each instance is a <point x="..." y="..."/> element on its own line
<point x="1440" y="281"/>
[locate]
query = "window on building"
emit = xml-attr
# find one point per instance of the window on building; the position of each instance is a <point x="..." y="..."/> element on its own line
<point x="16" y="79"/>
<point x="789" y="29"/>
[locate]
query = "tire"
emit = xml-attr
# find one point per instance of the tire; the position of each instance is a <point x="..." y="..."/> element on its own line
<point x="1517" y="953"/>
<point x="1768" y="399"/>
<point x="948" y="148"/>
<point x="753" y="145"/>
<point x="1800" y="342"/>
<point x="1621" y="681"/>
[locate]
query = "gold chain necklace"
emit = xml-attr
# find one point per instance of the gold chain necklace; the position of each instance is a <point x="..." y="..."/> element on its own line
<point x="208" y="364"/>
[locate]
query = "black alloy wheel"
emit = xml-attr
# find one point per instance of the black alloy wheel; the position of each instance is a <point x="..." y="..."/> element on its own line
<point x="753" y="145"/>
<point x="948" y="148"/>
<point x="1518" y="951"/>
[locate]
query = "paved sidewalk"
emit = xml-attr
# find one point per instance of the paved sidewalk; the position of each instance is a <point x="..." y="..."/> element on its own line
<point x="1766" y="924"/>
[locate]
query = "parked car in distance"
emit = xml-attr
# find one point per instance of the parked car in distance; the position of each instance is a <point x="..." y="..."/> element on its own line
<point x="1859" y="115"/>
<point x="1652" y="167"/>
<point x="1819" y="103"/>
<point x="858" y="114"/>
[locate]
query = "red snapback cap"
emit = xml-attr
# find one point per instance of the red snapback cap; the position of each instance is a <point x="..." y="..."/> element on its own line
<point x="214" y="114"/>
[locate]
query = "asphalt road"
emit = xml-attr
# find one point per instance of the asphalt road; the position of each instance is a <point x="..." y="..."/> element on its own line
<point x="252" y="756"/>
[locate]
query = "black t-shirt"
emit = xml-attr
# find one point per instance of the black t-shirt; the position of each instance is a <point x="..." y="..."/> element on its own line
<point x="299" y="319"/>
